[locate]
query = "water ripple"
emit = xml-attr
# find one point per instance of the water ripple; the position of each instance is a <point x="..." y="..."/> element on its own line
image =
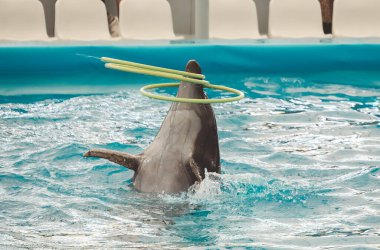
<point x="300" y="161"/>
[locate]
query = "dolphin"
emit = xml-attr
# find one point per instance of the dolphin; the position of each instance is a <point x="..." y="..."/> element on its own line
<point x="183" y="149"/>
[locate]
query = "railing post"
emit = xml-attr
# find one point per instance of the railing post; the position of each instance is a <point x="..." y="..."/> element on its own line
<point x="201" y="16"/>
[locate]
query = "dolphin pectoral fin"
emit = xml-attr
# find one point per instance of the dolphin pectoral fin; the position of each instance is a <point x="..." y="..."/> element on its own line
<point x="127" y="160"/>
<point x="196" y="170"/>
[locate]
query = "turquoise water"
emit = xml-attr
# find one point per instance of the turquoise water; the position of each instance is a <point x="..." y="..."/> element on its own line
<point x="300" y="163"/>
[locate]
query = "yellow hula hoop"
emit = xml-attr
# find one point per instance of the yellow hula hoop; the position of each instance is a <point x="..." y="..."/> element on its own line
<point x="171" y="74"/>
<point x="150" y="67"/>
<point x="191" y="100"/>
<point x="154" y="73"/>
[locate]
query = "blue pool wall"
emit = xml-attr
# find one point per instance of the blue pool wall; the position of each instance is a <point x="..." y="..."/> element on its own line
<point x="300" y="60"/>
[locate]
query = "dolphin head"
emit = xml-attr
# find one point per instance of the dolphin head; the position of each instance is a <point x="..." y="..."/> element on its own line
<point x="191" y="90"/>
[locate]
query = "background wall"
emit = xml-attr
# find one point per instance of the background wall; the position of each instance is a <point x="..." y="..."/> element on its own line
<point x="183" y="15"/>
<point x="201" y="22"/>
<point x="190" y="17"/>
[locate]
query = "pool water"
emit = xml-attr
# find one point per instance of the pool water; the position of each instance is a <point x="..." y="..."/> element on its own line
<point x="300" y="170"/>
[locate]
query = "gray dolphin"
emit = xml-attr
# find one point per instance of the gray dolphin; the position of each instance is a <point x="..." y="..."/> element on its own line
<point x="186" y="145"/>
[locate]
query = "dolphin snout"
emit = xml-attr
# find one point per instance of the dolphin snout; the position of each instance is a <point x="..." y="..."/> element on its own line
<point x="193" y="66"/>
